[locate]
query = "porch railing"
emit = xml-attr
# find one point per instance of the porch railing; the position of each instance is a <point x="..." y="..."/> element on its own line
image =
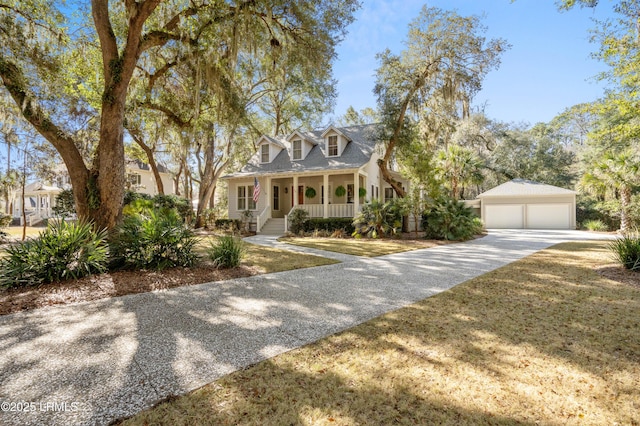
<point x="335" y="210"/>
<point x="262" y="218"/>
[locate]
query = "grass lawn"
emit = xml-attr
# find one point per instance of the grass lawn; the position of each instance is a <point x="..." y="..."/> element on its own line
<point x="267" y="259"/>
<point x="363" y="246"/>
<point x="16" y="231"/>
<point x="545" y="340"/>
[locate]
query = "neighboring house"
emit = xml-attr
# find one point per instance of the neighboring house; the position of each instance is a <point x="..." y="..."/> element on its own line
<point x="338" y="157"/>
<point x="40" y="197"/>
<point x="524" y="204"/>
<point x="39" y="202"/>
<point x="140" y="178"/>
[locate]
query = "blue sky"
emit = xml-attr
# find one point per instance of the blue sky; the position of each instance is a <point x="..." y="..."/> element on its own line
<point x="548" y="68"/>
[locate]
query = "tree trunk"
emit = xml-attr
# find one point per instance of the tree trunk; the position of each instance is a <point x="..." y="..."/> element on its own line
<point x="625" y="201"/>
<point x="14" y="81"/>
<point x="150" y="159"/>
<point x="209" y="178"/>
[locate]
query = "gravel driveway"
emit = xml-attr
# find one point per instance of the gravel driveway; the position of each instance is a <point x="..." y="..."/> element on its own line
<point x="94" y="362"/>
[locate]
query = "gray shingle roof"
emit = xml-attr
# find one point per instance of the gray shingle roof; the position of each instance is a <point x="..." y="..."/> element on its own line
<point x="523" y="187"/>
<point x="362" y="143"/>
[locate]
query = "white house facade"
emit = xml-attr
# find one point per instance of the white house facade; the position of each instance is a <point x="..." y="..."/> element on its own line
<point x="140" y="178"/>
<point x="329" y="173"/>
<point x="39" y="197"/>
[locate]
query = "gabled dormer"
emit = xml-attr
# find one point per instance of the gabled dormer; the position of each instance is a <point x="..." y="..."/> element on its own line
<point x="268" y="149"/>
<point x="301" y="146"/>
<point x="335" y="142"/>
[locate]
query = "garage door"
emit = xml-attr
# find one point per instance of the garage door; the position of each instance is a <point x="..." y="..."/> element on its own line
<point x="504" y="216"/>
<point x="548" y="216"/>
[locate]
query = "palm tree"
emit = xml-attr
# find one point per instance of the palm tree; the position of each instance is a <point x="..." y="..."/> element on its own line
<point x="615" y="174"/>
<point x="459" y="167"/>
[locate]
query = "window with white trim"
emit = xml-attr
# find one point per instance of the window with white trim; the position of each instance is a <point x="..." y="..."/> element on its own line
<point x="245" y="198"/>
<point x="333" y="146"/>
<point x="388" y="194"/>
<point x="264" y="153"/>
<point x="297" y="149"/>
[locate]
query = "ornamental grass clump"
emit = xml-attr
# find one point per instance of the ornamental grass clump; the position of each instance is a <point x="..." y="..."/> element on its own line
<point x="62" y="251"/>
<point x="626" y="250"/>
<point x="226" y="252"/>
<point x="596" y="225"/>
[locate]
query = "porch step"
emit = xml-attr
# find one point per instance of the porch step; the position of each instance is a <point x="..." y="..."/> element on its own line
<point x="273" y="227"/>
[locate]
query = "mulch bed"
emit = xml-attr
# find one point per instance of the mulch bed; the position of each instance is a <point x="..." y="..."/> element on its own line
<point x="113" y="284"/>
<point x="617" y="273"/>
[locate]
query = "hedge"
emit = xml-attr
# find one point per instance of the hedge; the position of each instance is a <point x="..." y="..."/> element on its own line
<point x="329" y="224"/>
<point x="225" y="223"/>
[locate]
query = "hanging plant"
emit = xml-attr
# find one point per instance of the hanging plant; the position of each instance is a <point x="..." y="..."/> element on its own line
<point x="340" y="191"/>
<point x="362" y="192"/>
<point x="310" y="192"/>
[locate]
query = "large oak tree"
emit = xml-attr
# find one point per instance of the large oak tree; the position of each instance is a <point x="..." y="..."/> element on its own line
<point x="47" y="66"/>
<point x="443" y="65"/>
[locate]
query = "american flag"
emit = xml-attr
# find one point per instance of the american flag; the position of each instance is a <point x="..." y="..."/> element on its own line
<point x="256" y="190"/>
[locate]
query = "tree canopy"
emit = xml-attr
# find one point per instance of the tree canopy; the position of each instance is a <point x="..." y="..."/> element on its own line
<point x="70" y="71"/>
<point x="437" y="75"/>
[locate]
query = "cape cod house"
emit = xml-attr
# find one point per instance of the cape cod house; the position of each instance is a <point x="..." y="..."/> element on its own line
<point x="329" y="173"/>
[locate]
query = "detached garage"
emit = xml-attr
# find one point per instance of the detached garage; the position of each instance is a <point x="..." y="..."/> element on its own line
<point x="524" y="204"/>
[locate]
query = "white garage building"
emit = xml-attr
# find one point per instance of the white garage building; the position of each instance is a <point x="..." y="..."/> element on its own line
<point x="524" y="204"/>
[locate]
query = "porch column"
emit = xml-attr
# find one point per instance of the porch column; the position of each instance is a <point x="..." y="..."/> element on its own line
<point x="325" y="202"/>
<point x="267" y="194"/>
<point x="356" y="193"/>
<point x="295" y="191"/>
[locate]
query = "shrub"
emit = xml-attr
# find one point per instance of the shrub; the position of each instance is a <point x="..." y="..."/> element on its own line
<point x="131" y="196"/>
<point x="65" y="204"/>
<point x="62" y="251"/>
<point x="181" y="205"/>
<point x="450" y="219"/>
<point x="227" y="252"/>
<point x="5" y="220"/>
<point x="626" y="250"/>
<point x="330" y="224"/>
<point x="595" y="225"/>
<point x="158" y="239"/>
<point x="297" y="220"/>
<point x="377" y="219"/>
<point x="231" y="224"/>
<point x="590" y="208"/>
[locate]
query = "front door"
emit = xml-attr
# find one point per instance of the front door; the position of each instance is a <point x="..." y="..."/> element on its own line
<point x="300" y="195"/>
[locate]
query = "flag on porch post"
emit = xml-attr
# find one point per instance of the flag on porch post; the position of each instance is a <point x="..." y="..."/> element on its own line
<point x="256" y="190"/>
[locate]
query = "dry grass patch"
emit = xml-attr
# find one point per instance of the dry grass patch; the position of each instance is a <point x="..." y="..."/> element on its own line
<point x="362" y="246"/>
<point x="545" y="340"/>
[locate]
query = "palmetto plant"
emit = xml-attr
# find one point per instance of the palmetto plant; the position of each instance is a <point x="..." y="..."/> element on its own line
<point x="378" y="219"/>
<point x="615" y="174"/>
<point x="62" y="251"/>
<point x="157" y="239"/>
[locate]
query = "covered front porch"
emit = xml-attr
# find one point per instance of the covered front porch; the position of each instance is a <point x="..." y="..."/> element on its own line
<point x="324" y="195"/>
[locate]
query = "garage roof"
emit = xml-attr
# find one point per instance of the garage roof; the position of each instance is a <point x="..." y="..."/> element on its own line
<point x="519" y="187"/>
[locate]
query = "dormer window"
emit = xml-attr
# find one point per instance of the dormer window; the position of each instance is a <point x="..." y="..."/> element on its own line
<point x="264" y="153"/>
<point x="333" y="146"/>
<point x="297" y="149"/>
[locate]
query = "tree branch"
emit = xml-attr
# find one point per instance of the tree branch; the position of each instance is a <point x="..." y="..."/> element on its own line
<point x="170" y="114"/>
